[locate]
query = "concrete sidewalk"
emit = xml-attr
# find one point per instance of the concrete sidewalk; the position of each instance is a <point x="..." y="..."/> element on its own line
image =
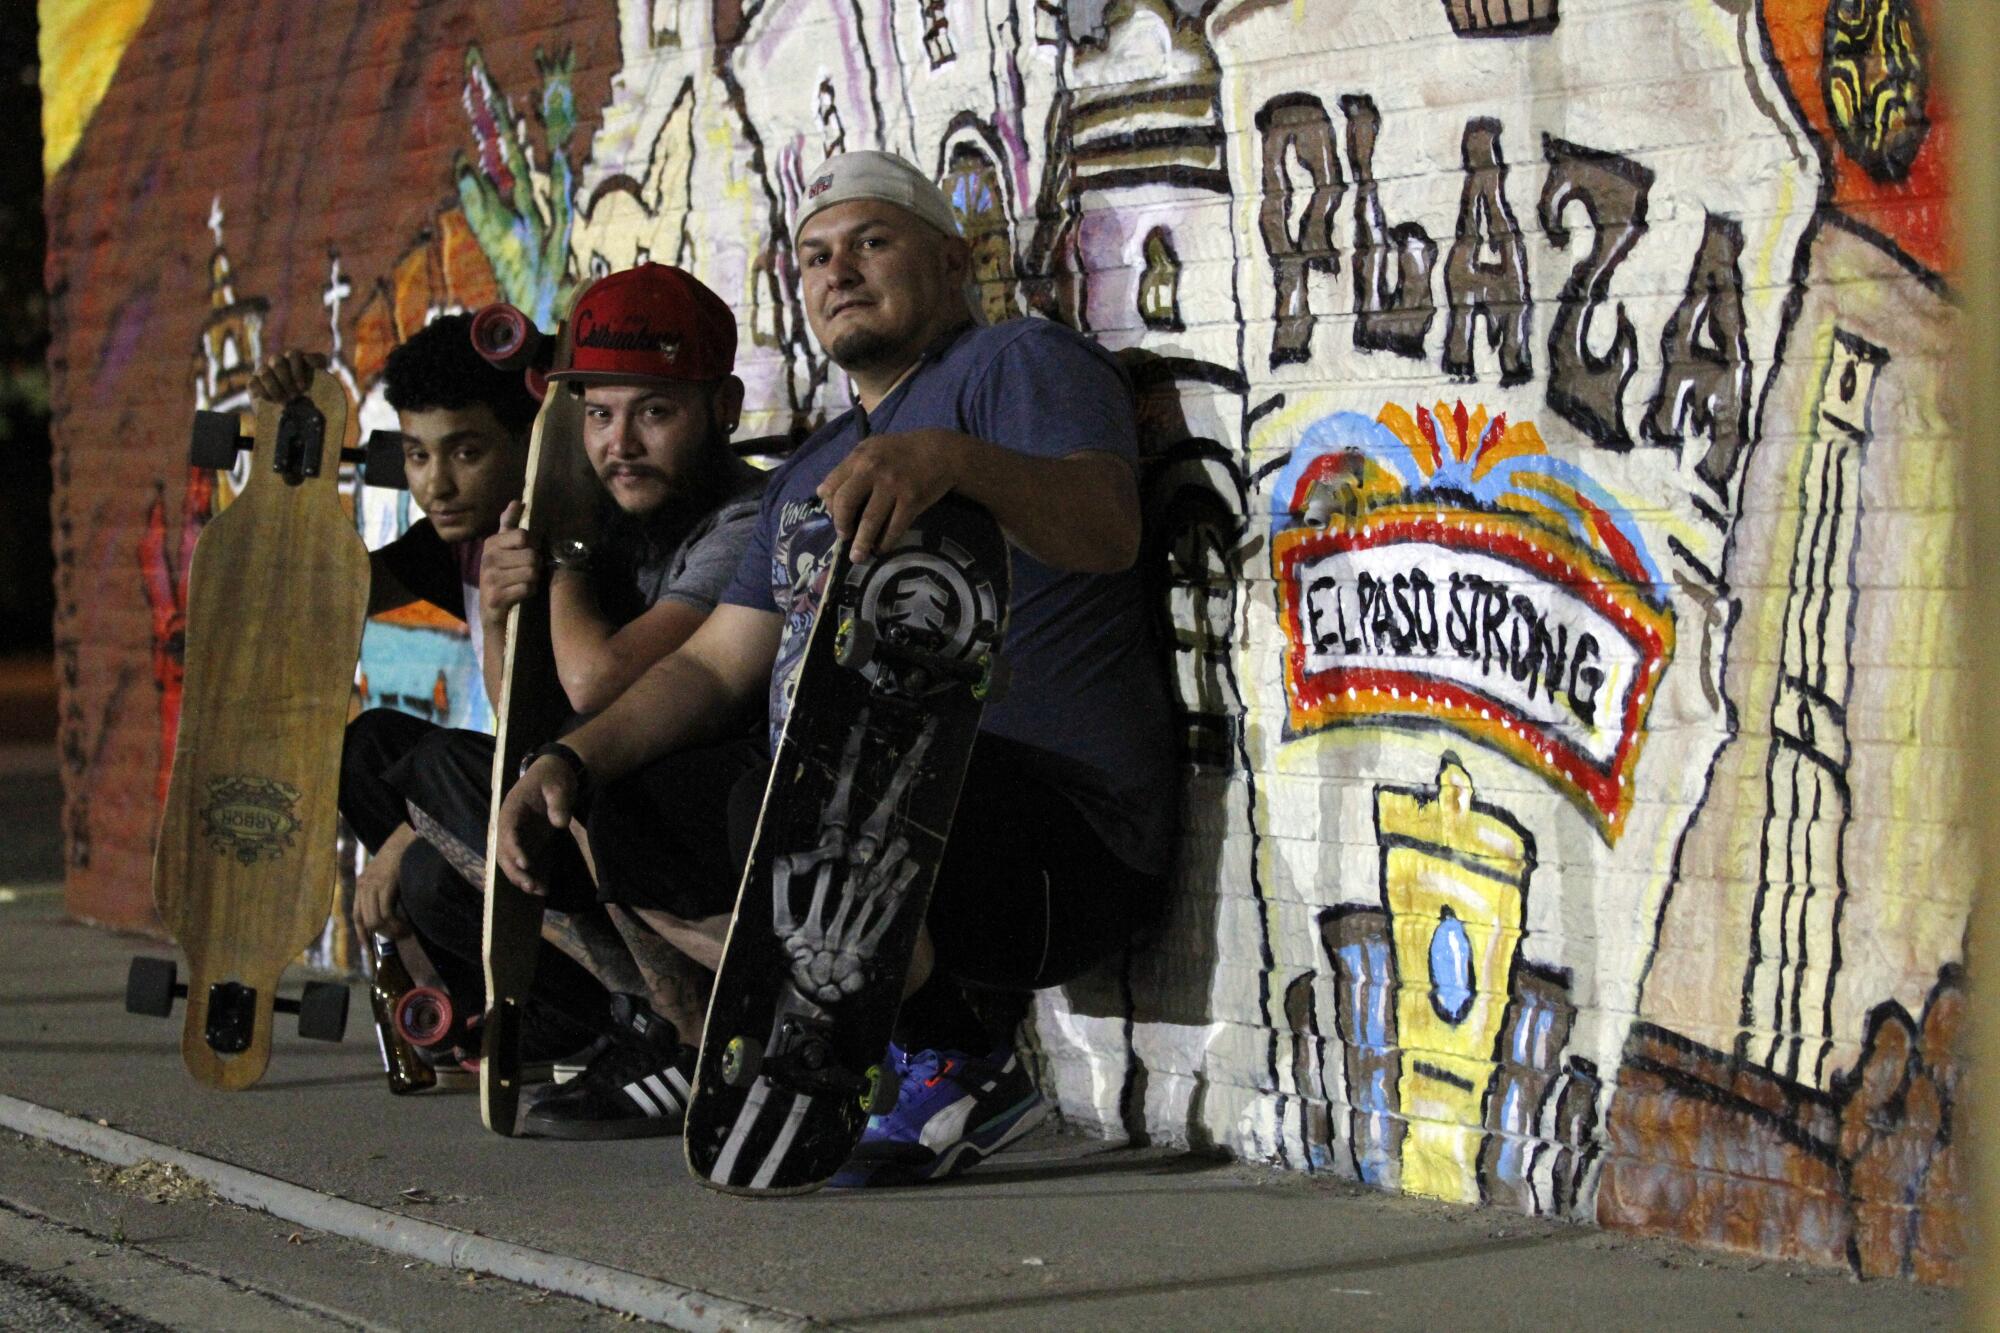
<point x="1063" y="1232"/>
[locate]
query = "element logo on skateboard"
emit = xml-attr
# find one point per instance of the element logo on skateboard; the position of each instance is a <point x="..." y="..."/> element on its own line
<point x="925" y="588"/>
<point x="250" y="818"/>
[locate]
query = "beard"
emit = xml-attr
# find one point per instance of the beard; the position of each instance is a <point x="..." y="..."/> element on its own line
<point x="867" y="349"/>
<point x="691" y="490"/>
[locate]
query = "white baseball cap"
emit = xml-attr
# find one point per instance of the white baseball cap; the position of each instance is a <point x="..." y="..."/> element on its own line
<point x="868" y="174"/>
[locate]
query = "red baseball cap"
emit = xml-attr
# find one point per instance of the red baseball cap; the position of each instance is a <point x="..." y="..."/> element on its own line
<point x="652" y="322"/>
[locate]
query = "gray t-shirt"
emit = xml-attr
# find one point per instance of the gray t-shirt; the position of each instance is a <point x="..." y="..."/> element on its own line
<point x="684" y="562"/>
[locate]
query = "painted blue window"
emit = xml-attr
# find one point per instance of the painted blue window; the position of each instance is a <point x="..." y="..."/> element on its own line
<point x="1451" y="968"/>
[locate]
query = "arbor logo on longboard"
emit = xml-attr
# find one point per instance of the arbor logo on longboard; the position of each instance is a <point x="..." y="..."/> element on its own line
<point x="250" y="818"/>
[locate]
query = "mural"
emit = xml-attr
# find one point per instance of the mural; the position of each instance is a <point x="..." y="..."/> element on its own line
<point x="1446" y="568"/>
<point x="1549" y="515"/>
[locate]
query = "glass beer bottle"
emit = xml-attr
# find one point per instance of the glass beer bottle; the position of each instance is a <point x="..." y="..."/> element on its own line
<point x="389" y="981"/>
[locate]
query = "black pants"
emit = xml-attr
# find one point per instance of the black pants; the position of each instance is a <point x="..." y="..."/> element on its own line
<point x="1027" y="896"/>
<point x="391" y="761"/>
<point x="669" y="836"/>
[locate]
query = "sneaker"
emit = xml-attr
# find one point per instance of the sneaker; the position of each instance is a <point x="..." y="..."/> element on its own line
<point x="457" y="1066"/>
<point x="953" y="1111"/>
<point x="637" y="1086"/>
<point x="572" y="1066"/>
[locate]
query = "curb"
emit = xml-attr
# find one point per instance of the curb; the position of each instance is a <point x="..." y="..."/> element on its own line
<point x="687" y="1308"/>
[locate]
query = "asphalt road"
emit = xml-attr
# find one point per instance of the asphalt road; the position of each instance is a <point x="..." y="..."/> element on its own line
<point x="83" y="1246"/>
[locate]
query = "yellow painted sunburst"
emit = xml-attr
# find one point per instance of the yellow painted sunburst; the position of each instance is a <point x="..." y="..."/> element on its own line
<point x="82" y="43"/>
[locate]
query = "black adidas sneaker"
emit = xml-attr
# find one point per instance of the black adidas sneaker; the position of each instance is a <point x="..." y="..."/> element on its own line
<point x="636" y="1087"/>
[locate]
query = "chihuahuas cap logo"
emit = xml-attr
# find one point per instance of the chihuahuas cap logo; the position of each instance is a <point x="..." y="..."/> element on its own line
<point x="628" y="335"/>
<point x="250" y="818"/>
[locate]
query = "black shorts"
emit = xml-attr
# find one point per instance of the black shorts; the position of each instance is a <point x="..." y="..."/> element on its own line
<point x="1027" y="896"/>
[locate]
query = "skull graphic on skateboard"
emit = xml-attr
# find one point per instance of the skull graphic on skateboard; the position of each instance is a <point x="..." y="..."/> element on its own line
<point x="244" y="870"/>
<point x="899" y="663"/>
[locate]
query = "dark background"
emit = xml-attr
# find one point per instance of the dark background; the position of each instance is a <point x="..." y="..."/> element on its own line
<point x="27" y="561"/>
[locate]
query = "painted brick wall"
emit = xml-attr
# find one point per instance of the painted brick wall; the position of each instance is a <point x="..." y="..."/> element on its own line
<point x="1548" y="471"/>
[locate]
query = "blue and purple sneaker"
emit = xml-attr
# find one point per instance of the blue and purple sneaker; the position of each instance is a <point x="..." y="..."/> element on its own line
<point x="953" y="1111"/>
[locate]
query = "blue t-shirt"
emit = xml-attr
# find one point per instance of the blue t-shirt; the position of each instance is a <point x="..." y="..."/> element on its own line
<point x="1086" y="690"/>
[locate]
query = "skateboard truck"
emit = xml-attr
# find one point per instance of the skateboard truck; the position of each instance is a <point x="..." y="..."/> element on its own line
<point x="152" y="985"/>
<point x="801" y="1057"/>
<point x="219" y="437"/>
<point x="915" y="669"/>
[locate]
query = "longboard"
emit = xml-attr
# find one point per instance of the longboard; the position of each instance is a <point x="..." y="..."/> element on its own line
<point x="531" y="707"/>
<point x="902" y="655"/>
<point x="244" y="872"/>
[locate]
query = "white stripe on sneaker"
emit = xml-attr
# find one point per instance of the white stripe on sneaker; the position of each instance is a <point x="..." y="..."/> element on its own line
<point x="948" y="1125"/>
<point x="642" y="1099"/>
<point x="668" y="1102"/>
<point x="724" y="1170"/>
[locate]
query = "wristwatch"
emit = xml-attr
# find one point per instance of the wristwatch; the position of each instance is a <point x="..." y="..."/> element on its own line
<point x="584" y="786"/>
<point x="571" y="554"/>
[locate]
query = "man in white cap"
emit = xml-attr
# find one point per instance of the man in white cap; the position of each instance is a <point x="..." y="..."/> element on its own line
<point x="1061" y="846"/>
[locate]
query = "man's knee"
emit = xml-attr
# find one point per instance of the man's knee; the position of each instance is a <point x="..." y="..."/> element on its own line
<point x="378" y="738"/>
<point x="441" y="905"/>
<point x="371" y="745"/>
<point x="462" y="758"/>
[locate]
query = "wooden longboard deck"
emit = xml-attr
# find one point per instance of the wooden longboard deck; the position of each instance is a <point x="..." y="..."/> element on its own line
<point x="853" y="827"/>
<point x="244" y="872"/>
<point x="531" y="707"/>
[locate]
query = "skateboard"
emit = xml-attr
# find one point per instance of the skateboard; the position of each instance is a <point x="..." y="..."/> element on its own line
<point x="244" y="871"/>
<point x="897" y="669"/>
<point x="532" y="705"/>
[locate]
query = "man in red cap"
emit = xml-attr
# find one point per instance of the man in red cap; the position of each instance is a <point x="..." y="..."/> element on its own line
<point x="1064" y="832"/>
<point x="652" y="361"/>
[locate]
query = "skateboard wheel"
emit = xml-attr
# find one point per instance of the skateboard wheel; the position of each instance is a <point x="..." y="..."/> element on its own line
<point x="149" y="987"/>
<point x="741" y="1059"/>
<point x="217" y="438"/>
<point x="994" y="677"/>
<point x="504" y="336"/>
<point x="879" y="1091"/>
<point x="424" y="1016"/>
<point x="323" y="1011"/>
<point x="854" y="644"/>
